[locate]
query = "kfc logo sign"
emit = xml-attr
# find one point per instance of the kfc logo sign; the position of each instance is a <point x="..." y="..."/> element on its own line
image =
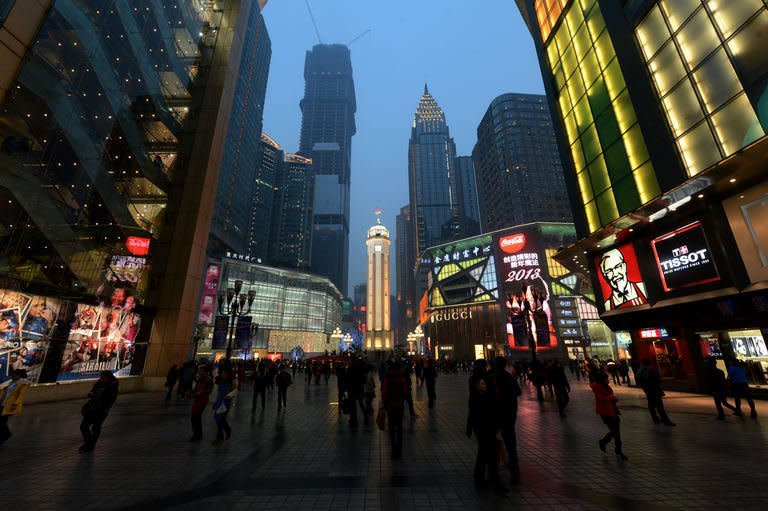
<point x="512" y="244"/>
<point x="137" y="245"/>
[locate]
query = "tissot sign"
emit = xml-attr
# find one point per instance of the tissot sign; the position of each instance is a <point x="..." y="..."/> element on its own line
<point x="684" y="259"/>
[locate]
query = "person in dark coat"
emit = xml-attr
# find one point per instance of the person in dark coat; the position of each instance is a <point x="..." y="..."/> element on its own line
<point x="608" y="410"/>
<point x="393" y="394"/>
<point x="355" y="389"/>
<point x="561" y="386"/>
<point x="482" y="423"/>
<point x="100" y="399"/>
<point x="650" y="381"/>
<point x="170" y="380"/>
<point x="283" y="381"/>
<point x="200" y="397"/>
<point x="716" y="384"/>
<point x="259" y="386"/>
<point x="429" y="377"/>
<point x="341" y="385"/>
<point x="507" y="391"/>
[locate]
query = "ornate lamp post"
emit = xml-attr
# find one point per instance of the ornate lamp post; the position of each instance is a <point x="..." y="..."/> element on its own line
<point x="233" y="304"/>
<point x="336" y="336"/>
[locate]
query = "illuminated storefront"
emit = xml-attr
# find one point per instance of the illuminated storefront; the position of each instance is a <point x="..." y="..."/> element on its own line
<point x="289" y="309"/>
<point x="502" y="293"/>
<point x="662" y="128"/>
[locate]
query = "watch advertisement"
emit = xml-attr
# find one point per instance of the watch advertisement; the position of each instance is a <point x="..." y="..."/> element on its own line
<point x="684" y="258"/>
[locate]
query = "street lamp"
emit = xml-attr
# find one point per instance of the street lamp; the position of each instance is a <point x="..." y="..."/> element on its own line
<point x="233" y="305"/>
<point x="336" y="336"/>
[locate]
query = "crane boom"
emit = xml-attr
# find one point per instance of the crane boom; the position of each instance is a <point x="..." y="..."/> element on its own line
<point x="314" y="23"/>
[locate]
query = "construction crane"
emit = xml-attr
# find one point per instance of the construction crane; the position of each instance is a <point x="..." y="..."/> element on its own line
<point x="350" y="43"/>
<point x="314" y="23"/>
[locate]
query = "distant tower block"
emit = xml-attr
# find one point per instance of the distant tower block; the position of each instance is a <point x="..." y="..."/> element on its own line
<point x="378" y="335"/>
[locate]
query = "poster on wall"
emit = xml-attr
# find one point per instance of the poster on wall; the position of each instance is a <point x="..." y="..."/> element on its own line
<point x="208" y="296"/>
<point x="684" y="259"/>
<point x="100" y="339"/>
<point x="621" y="284"/>
<point x="525" y="291"/>
<point x="25" y="324"/>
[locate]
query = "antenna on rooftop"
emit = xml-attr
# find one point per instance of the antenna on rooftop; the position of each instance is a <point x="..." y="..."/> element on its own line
<point x="350" y="43"/>
<point x="314" y="23"/>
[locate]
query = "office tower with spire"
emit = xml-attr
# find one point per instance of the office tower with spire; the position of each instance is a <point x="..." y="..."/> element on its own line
<point x="327" y="126"/>
<point x="431" y="175"/>
<point x="378" y="302"/>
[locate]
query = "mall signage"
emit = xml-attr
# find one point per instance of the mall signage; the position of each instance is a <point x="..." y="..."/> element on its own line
<point x="684" y="259"/>
<point x="453" y="314"/>
<point x="621" y="283"/>
<point x="654" y="333"/>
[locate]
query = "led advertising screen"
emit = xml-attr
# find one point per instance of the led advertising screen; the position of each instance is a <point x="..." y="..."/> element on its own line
<point x="684" y="259"/>
<point x="525" y="290"/>
<point x="461" y="273"/>
<point x="209" y="294"/>
<point x="621" y="284"/>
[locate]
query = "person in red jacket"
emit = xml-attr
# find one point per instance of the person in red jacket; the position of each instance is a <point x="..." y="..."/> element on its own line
<point x="608" y="410"/>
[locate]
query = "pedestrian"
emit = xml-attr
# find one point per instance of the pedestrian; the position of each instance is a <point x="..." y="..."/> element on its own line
<point x="283" y="381"/>
<point x="393" y="393"/>
<point x="223" y="403"/>
<point x="326" y="371"/>
<point x="259" y="378"/>
<point x="428" y="376"/>
<point x="419" y="370"/>
<point x="716" y="384"/>
<point x="355" y="383"/>
<point x="650" y="381"/>
<point x="507" y="391"/>
<point x="308" y="373"/>
<point x="100" y="399"/>
<point x="186" y="378"/>
<point x="737" y="374"/>
<point x="481" y="422"/>
<point x="12" y="394"/>
<point x="293" y="370"/>
<point x="270" y="379"/>
<point x="370" y="389"/>
<point x="200" y="396"/>
<point x="170" y="380"/>
<point x="561" y="386"/>
<point x="613" y="370"/>
<point x="537" y="376"/>
<point x="407" y="370"/>
<point x="624" y="371"/>
<point x="607" y="408"/>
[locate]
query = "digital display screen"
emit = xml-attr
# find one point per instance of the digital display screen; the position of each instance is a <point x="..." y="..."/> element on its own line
<point x="684" y="259"/>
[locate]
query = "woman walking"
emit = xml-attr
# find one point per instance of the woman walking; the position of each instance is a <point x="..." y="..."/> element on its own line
<point x="222" y="405"/>
<point x="608" y="410"/>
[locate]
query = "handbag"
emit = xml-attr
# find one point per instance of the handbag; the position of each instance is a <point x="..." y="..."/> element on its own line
<point x="381" y="419"/>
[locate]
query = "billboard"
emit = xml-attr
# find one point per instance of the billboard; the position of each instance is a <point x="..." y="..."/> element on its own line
<point x="524" y="283"/>
<point x="684" y="259"/>
<point x="621" y="284"/>
<point x="209" y="294"/>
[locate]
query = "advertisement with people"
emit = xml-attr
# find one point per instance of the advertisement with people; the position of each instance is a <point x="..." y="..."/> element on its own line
<point x="25" y="324"/>
<point x="524" y="285"/>
<point x="101" y="339"/>
<point x="621" y="284"/>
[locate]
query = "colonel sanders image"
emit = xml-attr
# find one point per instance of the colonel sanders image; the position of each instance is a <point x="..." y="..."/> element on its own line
<point x="623" y="292"/>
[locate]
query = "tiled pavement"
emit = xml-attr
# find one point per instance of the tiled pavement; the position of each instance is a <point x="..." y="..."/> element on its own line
<point x="308" y="458"/>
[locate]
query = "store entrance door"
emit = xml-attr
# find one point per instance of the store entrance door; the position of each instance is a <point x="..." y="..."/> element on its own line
<point x="668" y="360"/>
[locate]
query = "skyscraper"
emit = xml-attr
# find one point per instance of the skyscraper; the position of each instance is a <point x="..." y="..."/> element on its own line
<point x="434" y="198"/>
<point x="291" y="233"/>
<point x="405" y="260"/>
<point x="232" y="218"/>
<point x="379" y="334"/>
<point x="467" y="189"/>
<point x="112" y="124"/>
<point x="263" y="200"/>
<point x="519" y="175"/>
<point x="327" y="126"/>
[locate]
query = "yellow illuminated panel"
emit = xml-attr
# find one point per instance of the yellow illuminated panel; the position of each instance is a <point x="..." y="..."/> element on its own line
<point x="547" y="14"/>
<point x="683" y="43"/>
<point x="597" y="113"/>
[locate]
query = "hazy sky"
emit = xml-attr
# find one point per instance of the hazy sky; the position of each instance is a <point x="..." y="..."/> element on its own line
<point x="468" y="52"/>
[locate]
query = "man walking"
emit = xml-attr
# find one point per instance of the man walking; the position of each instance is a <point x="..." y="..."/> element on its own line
<point x="259" y="386"/>
<point x="507" y="392"/>
<point x="283" y="381"/>
<point x="393" y="391"/>
<point x="560" y="383"/>
<point x="428" y="376"/>
<point x="650" y="382"/>
<point x="100" y="399"/>
<point x="737" y="373"/>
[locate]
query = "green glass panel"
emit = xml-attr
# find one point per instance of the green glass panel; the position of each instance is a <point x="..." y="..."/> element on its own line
<point x="604" y="49"/>
<point x="626" y="196"/>
<point x="598" y="97"/>
<point x="578" y="156"/>
<point x="591" y="143"/>
<point x="598" y="175"/>
<point x="595" y="23"/>
<point x="593" y="218"/>
<point x="617" y="162"/>
<point x="614" y="79"/>
<point x="552" y="54"/>
<point x="586" y="5"/>
<point x="590" y="68"/>
<point x="583" y="114"/>
<point x="606" y="207"/>
<point x="585" y="187"/>
<point x="635" y="147"/>
<point x="562" y="37"/>
<point x="574" y="18"/>
<point x="646" y="183"/>
<point x="559" y="77"/>
<point x="625" y="113"/>
<point x="576" y="84"/>
<point x="607" y="128"/>
<point x="569" y="61"/>
<point x="581" y="42"/>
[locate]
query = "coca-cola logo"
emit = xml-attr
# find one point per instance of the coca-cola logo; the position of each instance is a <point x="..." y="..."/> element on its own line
<point x="137" y="245"/>
<point x="512" y="244"/>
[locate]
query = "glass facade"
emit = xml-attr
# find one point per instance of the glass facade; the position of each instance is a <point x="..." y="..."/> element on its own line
<point x="612" y="165"/>
<point x="708" y="69"/>
<point x="97" y="135"/>
<point x="263" y="200"/>
<point x="291" y="233"/>
<point x="519" y="174"/>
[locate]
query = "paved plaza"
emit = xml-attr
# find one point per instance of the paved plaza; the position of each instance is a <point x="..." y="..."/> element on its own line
<point x="308" y="458"/>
